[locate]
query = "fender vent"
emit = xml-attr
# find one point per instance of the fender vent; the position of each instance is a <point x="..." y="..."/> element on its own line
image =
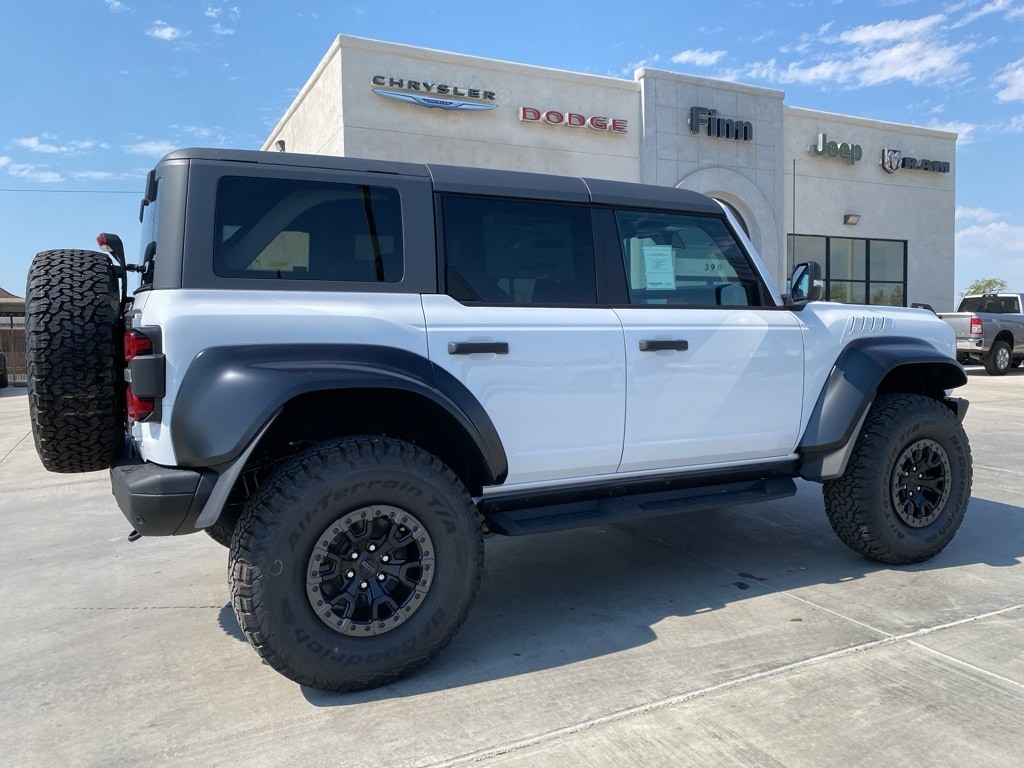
<point x="866" y="325"/>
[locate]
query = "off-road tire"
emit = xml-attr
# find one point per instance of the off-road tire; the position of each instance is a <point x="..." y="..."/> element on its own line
<point x="74" y="360"/>
<point x="292" y="518"/>
<point x="861" y="505"/>
<point x="223" y="531"/>
<point x="998" y="359"/>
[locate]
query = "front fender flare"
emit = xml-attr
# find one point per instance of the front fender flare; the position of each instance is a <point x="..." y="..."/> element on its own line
<point x="230" y="393"/>
<point x="911" y="365"/>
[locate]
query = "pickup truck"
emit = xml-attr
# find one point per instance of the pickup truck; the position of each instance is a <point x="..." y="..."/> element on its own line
<point x="989" y="329"/>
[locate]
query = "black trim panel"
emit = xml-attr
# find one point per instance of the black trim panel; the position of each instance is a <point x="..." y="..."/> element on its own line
<point x="618" y="487"/>
<point x="157" y="500"/>
<point x="229" y="393"/>
<point x="855" y="378"/>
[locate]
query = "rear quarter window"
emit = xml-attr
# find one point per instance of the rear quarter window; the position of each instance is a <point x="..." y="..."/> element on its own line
<point x="281" y="229"/>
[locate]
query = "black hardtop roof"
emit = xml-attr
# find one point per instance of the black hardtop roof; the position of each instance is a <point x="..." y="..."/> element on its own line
<point x="479" y="181"/>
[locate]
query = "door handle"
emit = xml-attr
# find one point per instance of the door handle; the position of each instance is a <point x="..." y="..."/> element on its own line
<point x="477" y="347"/>
<point x="657" y="345"/>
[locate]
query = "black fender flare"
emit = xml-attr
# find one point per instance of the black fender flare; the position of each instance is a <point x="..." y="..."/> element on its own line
<point x="851" y="387"/>
<point x="230" y="393"/>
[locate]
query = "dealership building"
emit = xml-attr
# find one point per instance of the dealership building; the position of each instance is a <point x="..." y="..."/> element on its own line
<point x="872" y="201"/>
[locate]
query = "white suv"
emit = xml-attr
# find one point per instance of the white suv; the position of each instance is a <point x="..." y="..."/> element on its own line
<point x="350" y="371"/>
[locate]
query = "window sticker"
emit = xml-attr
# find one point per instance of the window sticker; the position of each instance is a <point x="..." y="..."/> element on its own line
<point x="659" y="268"/>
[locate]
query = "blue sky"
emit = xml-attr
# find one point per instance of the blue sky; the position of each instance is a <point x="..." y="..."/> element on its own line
<point x="96" y="91"/>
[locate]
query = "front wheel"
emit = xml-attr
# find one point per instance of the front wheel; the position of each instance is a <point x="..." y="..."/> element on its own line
<point x="907" y="484"/>
<point x="998" y="359"/>
<point x="355" y="563"/>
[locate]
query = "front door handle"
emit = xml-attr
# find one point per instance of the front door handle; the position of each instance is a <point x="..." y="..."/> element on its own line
<point x="477" y="347"/>
<point x="657" y="345"/>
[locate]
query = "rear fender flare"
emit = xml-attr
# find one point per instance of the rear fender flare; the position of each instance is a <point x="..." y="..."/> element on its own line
<point x="229" y="394"/>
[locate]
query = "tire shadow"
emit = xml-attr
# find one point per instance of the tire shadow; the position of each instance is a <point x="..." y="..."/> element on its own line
<point x="553" y="600"/>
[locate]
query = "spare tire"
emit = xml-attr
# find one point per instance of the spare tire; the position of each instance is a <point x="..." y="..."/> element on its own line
<point x="74" y="360"/>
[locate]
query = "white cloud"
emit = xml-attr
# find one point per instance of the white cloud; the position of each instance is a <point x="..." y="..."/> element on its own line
<point x="874" y="54"/>
<point x="994" y="249"/>
<point x="43" y="144"/>
<point x="870" y="35"/>
<point x="161" y="30"/>
<point x="211" y="12"/>
<point x="102" y="176"/>
<point x="116" y="6"/>
<point x="994" y="7"/>
<point x="221" y="30"/>
<point x="4" y="160"/>
<point x="156" y="148"/>
<point x="698" y="56"/>
<point x="975" y="214"/>
<point x="31" y="172"/>
<point x="35" y="145"/>
<point x="630" y="68"/>
<point x="1012" y="77"/>
<point x="1016" y="124"/>
<point x="964" y="131"/>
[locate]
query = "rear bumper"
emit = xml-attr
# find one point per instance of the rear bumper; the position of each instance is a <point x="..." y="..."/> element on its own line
<point x="157" y="500"/>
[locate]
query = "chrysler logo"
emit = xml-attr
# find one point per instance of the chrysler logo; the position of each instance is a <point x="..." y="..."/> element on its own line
<point x="433" y="95"/>
<point x="432" y="102"/>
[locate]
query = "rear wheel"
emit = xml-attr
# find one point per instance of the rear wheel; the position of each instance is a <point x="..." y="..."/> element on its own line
<point x="74" y="359"/>
<point x="997" y="361"/>
<point x="906" y="487"/>
<point x="355" y="563"/>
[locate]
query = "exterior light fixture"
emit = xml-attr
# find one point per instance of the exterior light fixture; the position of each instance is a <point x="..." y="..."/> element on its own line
<point x="279" y="146"/>
<point x="851" y="218"/>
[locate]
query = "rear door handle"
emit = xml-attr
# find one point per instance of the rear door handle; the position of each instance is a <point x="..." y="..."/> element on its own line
<point x="657" y="345"/>
<point x="477" y="347"/>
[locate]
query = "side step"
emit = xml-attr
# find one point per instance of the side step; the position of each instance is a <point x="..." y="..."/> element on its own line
<point x="562" y="517"/>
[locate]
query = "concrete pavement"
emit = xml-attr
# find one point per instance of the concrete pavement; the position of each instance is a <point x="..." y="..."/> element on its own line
<point x="745" y="637"/>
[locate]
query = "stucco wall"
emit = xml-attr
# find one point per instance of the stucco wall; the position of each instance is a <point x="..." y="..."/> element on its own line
<point x="337" y="112"/>
<point x="745" y="174"/>
<point x="912" y="205"/>
<point x="314" y="122"/>
<point x="378" y="127"/>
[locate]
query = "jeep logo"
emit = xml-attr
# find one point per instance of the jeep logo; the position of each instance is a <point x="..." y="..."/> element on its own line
<point x="851" y="153"/>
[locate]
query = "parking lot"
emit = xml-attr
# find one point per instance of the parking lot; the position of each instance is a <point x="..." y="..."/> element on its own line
<point x="745" y="637"/>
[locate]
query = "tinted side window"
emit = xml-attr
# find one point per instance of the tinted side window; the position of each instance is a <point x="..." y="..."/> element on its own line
<point x="518" y="252"/>
<point x="684" y="260"/>
<point x="307" y="230"/>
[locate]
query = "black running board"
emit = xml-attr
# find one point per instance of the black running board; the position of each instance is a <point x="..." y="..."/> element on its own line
<point x="562" y="517"/>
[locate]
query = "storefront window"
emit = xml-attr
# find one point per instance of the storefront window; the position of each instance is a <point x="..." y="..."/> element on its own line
<point x="856" y="271"/>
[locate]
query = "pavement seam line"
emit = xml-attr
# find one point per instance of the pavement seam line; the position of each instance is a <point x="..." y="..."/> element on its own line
<point x="15" y="447"/>
<point x="682" y="698"/>
<point x="968" y="665"/>
<point x="997" y="469"/>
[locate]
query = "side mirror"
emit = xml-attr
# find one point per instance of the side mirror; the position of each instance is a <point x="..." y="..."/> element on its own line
<point x="805" y="285"/>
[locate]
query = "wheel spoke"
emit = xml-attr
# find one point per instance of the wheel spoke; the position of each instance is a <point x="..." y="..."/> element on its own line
<point x="369" y="570"/>
<point x="920" y="484"/>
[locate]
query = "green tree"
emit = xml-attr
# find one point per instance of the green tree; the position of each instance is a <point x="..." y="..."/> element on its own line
<point x="985" y="285"/>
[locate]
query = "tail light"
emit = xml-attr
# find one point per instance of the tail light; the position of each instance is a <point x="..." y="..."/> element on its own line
<point x="976" y="326"/>
<point x="138" y="347"/>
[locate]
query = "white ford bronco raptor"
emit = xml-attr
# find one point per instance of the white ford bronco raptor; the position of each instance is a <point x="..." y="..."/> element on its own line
<point x="350" y="371"/>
